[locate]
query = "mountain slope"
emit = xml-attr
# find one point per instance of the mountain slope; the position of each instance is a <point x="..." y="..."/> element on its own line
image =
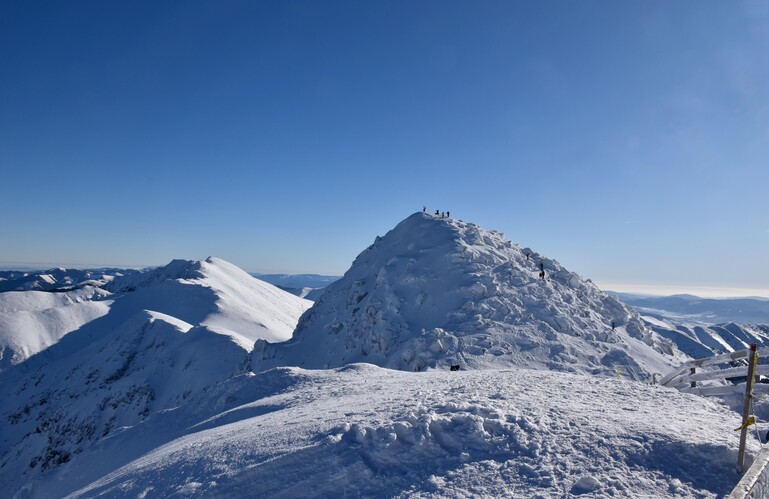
<point x="160" y="338"/>
<point x="31" y="321"/>
<point x="437" y="291"/>
<point x="700" y="341"/>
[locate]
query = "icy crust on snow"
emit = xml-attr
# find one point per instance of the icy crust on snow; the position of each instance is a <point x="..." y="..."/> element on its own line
<point x="366" y="431"/>
<point x="437" y="291"/>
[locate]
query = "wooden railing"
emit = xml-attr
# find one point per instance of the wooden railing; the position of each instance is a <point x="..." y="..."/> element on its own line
<point x="683" y="373"/>
<point x="754" y="484"/>
<point x="685" y="378"/>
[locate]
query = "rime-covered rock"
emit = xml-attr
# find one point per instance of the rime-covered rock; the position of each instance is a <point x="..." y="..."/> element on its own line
<point x="437" y="291"/>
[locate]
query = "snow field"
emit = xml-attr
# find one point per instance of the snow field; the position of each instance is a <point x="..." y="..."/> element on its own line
<point x="362" y="430"/>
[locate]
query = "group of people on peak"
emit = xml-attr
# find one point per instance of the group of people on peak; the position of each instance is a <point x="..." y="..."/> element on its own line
<point x="442" y="214"/>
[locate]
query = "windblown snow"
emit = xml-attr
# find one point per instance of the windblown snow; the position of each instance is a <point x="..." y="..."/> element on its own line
<point x="436" y="291"/>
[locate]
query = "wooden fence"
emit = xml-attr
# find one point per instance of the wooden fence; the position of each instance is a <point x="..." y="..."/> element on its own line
<point x="755" y="482"/>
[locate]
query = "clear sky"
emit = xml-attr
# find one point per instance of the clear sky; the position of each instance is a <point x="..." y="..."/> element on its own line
<point x="628" y="140"/>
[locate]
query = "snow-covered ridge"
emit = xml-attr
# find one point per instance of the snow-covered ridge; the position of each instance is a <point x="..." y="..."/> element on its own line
<point x="699" y="341"/>
<point x="437" y="291"/>
<point x="211" y="293"/>
<point x="31" y="321"/>
<point x="105" y="361"/>
<point x="218" y="295"/>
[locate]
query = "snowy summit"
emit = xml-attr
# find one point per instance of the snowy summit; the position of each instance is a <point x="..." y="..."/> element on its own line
<point x="186" y="380"/>
<point x="436" y="291"/>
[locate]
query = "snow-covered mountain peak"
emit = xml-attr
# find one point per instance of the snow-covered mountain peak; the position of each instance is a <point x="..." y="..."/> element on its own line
<point x="211" y="293"/>
<point x="218" y="295"/>
<point x="436" y="291"/>
<point x="86" y="364"/>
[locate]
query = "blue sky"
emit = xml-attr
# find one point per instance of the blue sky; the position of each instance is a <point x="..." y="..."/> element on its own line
<point x="628" y="140"/>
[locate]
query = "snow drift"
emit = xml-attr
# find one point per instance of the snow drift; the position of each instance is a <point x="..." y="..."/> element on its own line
<point x="436" y="291"/>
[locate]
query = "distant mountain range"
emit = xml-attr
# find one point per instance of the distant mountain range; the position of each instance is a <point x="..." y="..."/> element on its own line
<point x="58" y="279"/>
<point x="695" y="310"/>
<point x="308" y="286"/>
<point x="701" y="327"/>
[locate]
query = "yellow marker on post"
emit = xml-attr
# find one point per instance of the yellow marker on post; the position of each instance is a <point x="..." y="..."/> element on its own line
<point x="751" y="420"/>
<point x="618" y="376"/>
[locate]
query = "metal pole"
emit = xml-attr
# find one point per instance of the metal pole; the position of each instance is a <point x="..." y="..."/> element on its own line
<point x="746" y="407"/>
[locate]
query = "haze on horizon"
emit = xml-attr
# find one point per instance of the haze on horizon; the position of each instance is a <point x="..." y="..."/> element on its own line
<point x="626" y="140"/>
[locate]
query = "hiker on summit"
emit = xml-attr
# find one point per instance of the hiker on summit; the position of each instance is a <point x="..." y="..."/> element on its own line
<point x="542" y="265"/>
<point x="437" y="213"/>
<point x="424" y="209"/>
<point x="448" y="214"/>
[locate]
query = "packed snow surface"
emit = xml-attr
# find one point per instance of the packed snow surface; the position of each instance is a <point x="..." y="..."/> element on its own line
<point x="437" y="291"/>
<point x="367" y="431"/>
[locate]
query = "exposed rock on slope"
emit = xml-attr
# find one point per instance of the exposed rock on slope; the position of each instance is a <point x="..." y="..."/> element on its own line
<point x="437" y="291"/>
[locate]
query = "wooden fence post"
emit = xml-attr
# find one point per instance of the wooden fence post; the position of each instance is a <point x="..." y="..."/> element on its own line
<point x="746" y="407"/>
